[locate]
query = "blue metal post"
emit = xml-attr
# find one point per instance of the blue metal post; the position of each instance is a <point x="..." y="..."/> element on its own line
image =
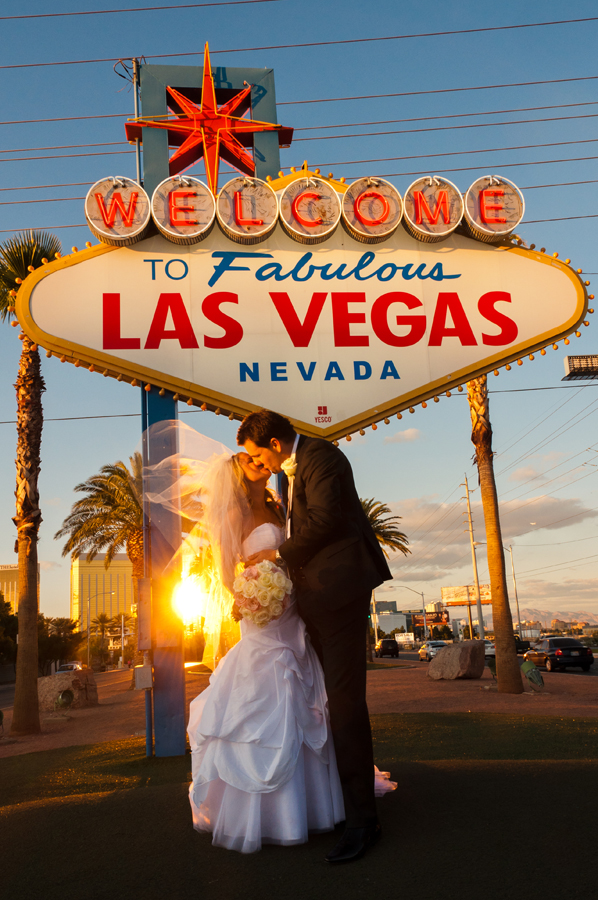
<point x="167" y="628"/>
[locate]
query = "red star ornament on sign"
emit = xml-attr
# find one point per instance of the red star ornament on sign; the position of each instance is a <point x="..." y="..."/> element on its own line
<point x="209" y="131"/>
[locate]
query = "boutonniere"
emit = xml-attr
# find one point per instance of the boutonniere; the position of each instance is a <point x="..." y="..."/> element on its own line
<point x="289" y="466"/>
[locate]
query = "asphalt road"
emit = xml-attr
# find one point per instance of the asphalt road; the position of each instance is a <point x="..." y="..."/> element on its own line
<point x="105" y="679"/>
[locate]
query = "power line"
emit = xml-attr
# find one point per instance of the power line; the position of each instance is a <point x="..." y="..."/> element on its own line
<point x="481" y="87"/>
<point x="502" y="165"/>
<point x="351" y="162"/>
<point x="368" y="97"/>
<point x="344" y="162"/>
<point x="104" y="12"/>
<point x="64" y="147"/>
<point x="491" y="112"/>
<point x="384" y="38"/>
<point x="39" y="187"/>
<point x="336" y="137"/>
<point x="65" y="156"/>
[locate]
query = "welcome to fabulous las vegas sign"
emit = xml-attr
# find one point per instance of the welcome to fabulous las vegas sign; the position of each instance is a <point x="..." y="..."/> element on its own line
<point x="337" y="304"/>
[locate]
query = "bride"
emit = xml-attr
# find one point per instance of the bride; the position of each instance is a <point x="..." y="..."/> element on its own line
<point x="263" y="763"/>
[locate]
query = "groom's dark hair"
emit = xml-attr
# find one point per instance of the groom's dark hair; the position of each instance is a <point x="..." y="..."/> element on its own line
<point x="263" y="425"/>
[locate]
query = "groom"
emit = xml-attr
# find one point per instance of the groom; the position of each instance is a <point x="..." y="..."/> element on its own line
<point x="335" y="562"/>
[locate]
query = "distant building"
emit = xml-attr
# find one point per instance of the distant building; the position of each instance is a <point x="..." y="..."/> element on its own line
<point x="9" y="585"/>
<point x="108" y="590"/>
<point x="386" y="606"/>
<point x="388" y="621"/>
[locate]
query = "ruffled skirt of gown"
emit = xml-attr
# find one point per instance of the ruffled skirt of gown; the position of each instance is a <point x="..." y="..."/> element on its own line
<point x="263" y="762"/>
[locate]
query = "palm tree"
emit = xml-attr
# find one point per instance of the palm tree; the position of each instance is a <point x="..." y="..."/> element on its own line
<point x="385" y="530"/>
<point x="508" y="674"/>
<point x="110" y="517"/>
<point x="102" y="624"/>
<point x="18" y="257"/>
<point x="388" y="536"/>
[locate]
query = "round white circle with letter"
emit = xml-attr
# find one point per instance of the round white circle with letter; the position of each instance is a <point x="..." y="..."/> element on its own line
<point x="183" y="209"/>
<point x="433" y="208"/>
<point x="372" y="210"/>
<point x="310" y="210"/>
<point x="247" y="210"/>
<point x="117" y="210"/>
<point x="494" y="207"/>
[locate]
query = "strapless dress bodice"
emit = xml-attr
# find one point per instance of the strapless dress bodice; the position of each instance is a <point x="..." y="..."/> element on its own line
<point x="265" y="537"/>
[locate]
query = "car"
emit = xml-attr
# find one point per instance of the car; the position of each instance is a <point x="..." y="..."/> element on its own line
<point x="74" y="666"/>
<point x="430" y="649"/>
<point x="490" y="649"/>
<point x="560" y="653"/>
<point x="387" y="647"/>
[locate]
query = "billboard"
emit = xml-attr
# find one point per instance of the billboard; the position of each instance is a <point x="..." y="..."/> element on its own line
<point x="464" y="594"/>
<point x="432" y="619"/>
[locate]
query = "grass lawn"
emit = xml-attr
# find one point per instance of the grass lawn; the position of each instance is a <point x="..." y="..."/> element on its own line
<point x="94" y="820"/>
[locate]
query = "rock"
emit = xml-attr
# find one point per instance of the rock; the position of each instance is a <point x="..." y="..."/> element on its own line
<point x="81" y="682"/>
<point x="461" y="660"/>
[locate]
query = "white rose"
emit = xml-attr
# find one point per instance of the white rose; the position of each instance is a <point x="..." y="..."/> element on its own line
<point x="249" y="589"/>
<point x="265" y="580"/>
<point x="279" y="580"/>
<point x="238" y="585"/>
<point x="263" y="597"/>
<point x="278" y="594"/>
<point x="262" y="617"/>
<point x="276" y="610"/>
<point x="289" y="586"/>
<point x="264" y="566"/>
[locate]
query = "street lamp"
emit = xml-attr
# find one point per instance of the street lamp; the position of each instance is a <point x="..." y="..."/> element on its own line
<point x="421" y="594"/>
<point x="510" y="549"/>
<point x="89" y="599"/>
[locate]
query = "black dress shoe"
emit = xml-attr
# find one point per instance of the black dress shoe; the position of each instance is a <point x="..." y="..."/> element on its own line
<point x="354" y="843"/>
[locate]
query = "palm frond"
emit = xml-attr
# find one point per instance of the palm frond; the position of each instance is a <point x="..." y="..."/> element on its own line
<point x="16" y="255"/>
<point x="384" y="527"/>
<point x="109" y="515"/>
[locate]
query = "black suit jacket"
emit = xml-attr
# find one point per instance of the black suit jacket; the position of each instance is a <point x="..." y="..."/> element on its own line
<point x="332" y="547"/>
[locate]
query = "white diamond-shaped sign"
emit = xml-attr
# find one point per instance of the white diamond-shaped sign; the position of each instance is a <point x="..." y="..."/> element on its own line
<point x="334" y="335"/>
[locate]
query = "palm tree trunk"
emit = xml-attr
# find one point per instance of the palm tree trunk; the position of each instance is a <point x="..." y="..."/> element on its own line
<point x="508" y="673"/>
<point x="29" y="387"/>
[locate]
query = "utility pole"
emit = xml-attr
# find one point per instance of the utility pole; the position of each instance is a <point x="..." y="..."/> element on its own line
<point x="136" y="106"/>
<point x="476" y="582"/>
<point x="516" y="597"/>
<point x="375" y="616"/>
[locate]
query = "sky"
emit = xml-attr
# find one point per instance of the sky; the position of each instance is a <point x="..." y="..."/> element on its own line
<point x="542" y="136"/>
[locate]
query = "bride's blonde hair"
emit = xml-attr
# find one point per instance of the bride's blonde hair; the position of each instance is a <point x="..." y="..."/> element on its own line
<point x="271" y="498"/>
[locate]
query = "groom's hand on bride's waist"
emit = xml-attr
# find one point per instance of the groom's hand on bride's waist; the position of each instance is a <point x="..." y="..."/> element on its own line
<point x="261" y="555"/>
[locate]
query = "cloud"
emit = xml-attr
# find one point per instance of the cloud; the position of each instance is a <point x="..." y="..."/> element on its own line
<point x="48" y="566"/>
<point x="439" y="541"/>
<point x="403" y="437"/>
<point x="525" y="473"/>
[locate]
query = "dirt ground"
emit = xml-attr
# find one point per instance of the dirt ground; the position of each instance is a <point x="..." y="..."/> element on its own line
<point x="391" y="689"/>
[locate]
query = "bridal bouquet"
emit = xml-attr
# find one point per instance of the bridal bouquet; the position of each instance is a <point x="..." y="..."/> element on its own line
<point x="262" y="593"/>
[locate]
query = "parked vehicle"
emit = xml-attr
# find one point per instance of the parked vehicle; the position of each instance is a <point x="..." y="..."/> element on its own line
<point x="387" y="647"/>
<point x="560" y="653"/>
<point x="489" y="648"/>
<point x="74" y="666"/>
<point x="430" y="649"/>
<point x="521" y="646"/>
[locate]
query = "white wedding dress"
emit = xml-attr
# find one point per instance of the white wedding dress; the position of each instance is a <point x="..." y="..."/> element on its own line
<point x="263" y="763"/>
